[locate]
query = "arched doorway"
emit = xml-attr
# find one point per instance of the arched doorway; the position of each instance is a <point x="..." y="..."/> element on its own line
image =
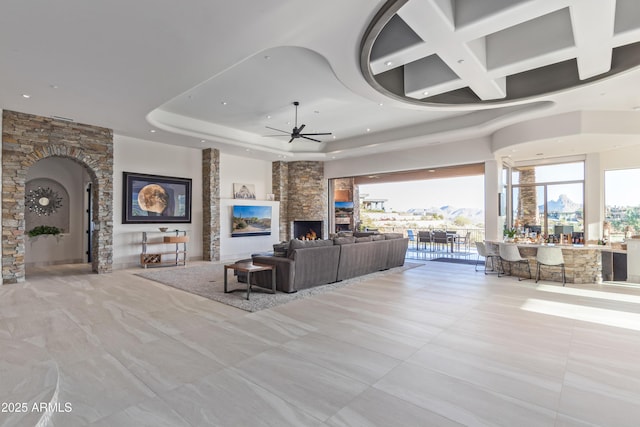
<point x="28" y="139"/>
<point x="57" y="201"/>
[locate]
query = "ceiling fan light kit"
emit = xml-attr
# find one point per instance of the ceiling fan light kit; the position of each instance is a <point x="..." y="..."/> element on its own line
<point x="296" y="132"/>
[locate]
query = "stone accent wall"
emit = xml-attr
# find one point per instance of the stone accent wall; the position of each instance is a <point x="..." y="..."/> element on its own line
<point x="582" y="265"/>
<point x="305" y="189"/>
<point x="211" y="204"/>
<point x="280" y="189"/>
<point x="27" y="139"/>
<point x="527" y="213"/>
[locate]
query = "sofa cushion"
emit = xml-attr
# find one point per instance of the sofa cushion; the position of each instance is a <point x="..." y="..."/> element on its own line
<point x="344" y="240"/>
<point x="378" y="237"/>
<point x="300" y="244"/>
<point x="390" y="236"/>
<point x="280" y="249"/>
<point x="363" y="239"/>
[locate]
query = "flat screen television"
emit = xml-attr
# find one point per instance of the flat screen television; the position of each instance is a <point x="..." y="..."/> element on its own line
<point x="343" y="208"/>
<point x="251" y="221"/>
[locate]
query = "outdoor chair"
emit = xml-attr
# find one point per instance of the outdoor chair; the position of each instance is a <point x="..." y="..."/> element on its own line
<point x="412" y="238"/>
<point x="490" y="256"/>
<point x="510" y="254"/>
<point x="550" y="256"/>
<point x="465" y="241"/>
<point x="442" y="238"/>
<point x="424" y="237"/>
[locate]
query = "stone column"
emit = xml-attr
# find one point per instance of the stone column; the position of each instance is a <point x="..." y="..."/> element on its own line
<point x="528" y="212"/>
<point x="211" y="204"/>
<point x="280" y="189"/>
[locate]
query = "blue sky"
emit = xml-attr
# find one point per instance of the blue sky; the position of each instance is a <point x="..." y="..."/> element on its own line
<point x="252" y="211"/>
<point x="462" y="192"/>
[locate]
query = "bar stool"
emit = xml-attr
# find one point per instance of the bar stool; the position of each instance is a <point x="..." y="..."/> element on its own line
<point x="511" y="254"/>
<point x="550" y="256"/>
<point x="489" y="254"/>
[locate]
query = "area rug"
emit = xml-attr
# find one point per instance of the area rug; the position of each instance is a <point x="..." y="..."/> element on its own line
<point x="207" y="281"/>
<point x="457" y="261"/>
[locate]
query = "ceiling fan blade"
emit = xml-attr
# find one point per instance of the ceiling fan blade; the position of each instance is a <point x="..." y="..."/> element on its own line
<point x="300" y="128"/>
<point x="291" y="140"/>
<point x="324" y="133"/>
<point x="310" y="139"/>
<point x="279" y="130"/>
<point x="276" y="135"/>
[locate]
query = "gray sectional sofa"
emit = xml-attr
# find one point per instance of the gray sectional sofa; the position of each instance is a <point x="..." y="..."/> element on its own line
<point x="318" y="262"/>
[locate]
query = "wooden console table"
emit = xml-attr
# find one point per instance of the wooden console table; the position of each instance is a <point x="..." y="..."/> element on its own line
<point x="250" y="267"/>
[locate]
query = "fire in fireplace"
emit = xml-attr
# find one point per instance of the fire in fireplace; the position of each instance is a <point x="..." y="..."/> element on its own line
<point x="307" y="230"/>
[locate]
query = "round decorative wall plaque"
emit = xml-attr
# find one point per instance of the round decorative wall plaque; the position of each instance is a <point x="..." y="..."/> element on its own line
<point x="43" y="201"/>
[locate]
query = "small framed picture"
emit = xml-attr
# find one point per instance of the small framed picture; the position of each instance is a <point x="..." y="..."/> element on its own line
<point x="244" y="191"/>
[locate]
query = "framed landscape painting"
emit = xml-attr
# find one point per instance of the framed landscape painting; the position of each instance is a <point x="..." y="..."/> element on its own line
<point x="251" y="221"/>
<point x="155" y="199"/>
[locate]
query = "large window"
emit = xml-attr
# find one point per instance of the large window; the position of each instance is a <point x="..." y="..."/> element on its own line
<point x="549" y="198"/>
<point x="622" y="203"/>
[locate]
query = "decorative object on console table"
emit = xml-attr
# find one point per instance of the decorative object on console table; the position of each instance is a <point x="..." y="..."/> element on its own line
<point x="171" y="250"/>
<point x="155" y="199"/>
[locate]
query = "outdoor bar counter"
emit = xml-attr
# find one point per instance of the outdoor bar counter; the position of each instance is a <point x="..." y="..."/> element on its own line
<point x="583" y="263"/>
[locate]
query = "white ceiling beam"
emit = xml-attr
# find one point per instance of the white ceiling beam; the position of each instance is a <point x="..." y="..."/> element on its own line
<point x="509" y="17"/>
<point x="401" y="57"/>
<point x="433" y="25"/>
<point x="593" y="26"/>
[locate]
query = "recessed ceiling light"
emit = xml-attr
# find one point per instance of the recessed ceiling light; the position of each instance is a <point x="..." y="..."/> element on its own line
<point x="334" y="137"/>
<point x="202" y="140"/>
<point x="288" y="123"/>
<point x="431" y="170"/>
<point x="152" y="131"/>
<point x="380" y="104"/>
<point x="267" y="57"/>
<point x="425" y="93"/>
<point x="53" y="86"/>
<point x="268" y="117"/>
<point x="246" y="149"/>
<point x="368" y="130"/>
<point x="224" y="102"/>
<point x="388" y="63"/>
<point x="26" y="95"/>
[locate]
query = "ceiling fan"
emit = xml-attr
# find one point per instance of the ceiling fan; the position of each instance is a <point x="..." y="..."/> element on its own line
<point x="297" y="131"/>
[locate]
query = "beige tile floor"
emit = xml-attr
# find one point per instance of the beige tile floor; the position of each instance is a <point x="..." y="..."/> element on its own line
<point x="437" y="345"/>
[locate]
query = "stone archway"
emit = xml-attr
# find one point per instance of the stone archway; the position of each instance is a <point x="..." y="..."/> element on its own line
<point x="27" y="139"/>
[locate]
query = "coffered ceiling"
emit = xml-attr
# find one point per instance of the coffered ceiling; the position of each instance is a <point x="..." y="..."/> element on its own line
<point x="380" y="76"/>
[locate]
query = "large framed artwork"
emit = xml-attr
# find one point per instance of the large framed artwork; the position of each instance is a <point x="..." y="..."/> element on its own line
<point x="155" y="199"/>
<point x="251" y="221"/>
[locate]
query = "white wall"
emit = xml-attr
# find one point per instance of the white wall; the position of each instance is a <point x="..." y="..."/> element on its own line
<point x="433" y="156"/>
<point x="140" y="156"/>
<point x="235" y="248"/>
<point x="241" y="170"/>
